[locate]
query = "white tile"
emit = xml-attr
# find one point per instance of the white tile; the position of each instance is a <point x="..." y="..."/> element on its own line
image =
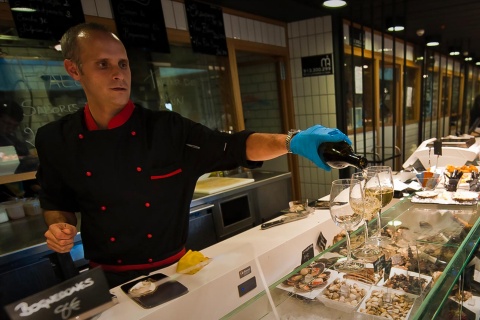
<point x="251" y="30"/>
<point x="283" y="39"/>
<point x="312" y="47"/>
<point x="297" y="66"/>
<point x="319" y="25"/>
<point x="315" y="89"/>
<point x="235" y="27"/>
<point x="89" y="8"/>
<point x="320" y="42"/>
<point x="227" y="24"/>
<point x="103" y="8"/>
<point x="264" y="32"/>
<point x="271" y="33"/>
<point x="330" y="84"/>
<point x="301" y="106"/>
<point x="327" y="24"/>
<point x="180" y="15"/>
<point x="302" y="121"/>
<point x="258" y="31"/>
<point x="294" y="29"/>
<point x="295" y="48"/>
<point x="302" y="28"/>
<point x="328" y="42"/>
<point x="332" y="120"/>
<point x="317" y="119"/>
<point x="331" y="104"/>
<point x="322" y="82"/>
<point x="310" y="26"/>
<point x="303" y="46"/>
<point x="299" y="84"/>
<point x="309" y="105"/>
<point x="307" y="86"/>
<point x="279" y="34"/>
<point x="315" y="103"/>
<point x="323" y="104"/>
<point x="168" y="14"/>
<point x="242" y="23"/>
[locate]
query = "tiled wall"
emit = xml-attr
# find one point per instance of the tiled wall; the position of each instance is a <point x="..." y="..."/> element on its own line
<point x="314" y="97"/>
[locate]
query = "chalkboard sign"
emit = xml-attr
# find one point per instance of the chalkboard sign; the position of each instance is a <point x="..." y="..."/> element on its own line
<point x="140" y="24"/>
<point x="207" y="31"/>
<point x="49" y="21"/>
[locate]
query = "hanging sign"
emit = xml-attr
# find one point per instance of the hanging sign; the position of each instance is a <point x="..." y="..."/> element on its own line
<point x="49" y="20"/>
<point x="206" y="27"/>
<point x="141" y="24"/>
<point x="80" y="297"/>
<point x="357" y="37"/>
<point x="317" y="65"/>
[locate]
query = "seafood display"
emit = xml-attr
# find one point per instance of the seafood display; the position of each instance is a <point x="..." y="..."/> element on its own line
<point x="343" y="294"/>
<point x="312" y="277"/>
<point x="390" y="305"/>
<point x="408" y="283"/>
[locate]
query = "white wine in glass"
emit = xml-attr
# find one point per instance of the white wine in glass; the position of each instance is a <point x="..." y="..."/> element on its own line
<point x="347" y="210"/>
<point x="372" y="204"/>
<point x="384" y="192"/>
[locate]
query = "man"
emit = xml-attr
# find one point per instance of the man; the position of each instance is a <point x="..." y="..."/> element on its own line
<point x="130" y="171"/>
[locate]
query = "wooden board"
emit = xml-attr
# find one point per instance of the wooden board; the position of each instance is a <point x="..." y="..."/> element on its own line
<point x="217" y="184"/>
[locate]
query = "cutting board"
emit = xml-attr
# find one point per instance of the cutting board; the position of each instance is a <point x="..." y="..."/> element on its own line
<point x="217" y="184"/>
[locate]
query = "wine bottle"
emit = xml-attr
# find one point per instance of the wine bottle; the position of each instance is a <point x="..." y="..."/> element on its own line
<point x="339" y="155"/>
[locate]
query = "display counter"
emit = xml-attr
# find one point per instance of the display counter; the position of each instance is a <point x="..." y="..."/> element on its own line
<point x="267" y="258"/>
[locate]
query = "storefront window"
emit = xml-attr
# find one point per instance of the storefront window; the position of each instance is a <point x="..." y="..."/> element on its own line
<point x="359" y="92"/>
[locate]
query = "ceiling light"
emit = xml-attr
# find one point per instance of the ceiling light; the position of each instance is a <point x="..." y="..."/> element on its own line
<point x="468" y="58"/>
<point x="432" y="41"/>
<point x="454" y="51"/>
<point x="395" y="24"/>
<point x="20" y="8"/>
<point x="334" y="3"/>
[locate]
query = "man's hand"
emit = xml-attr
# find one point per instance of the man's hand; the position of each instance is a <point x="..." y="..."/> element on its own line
<point x="60" y="237"/>
<point x="306" y="143"/>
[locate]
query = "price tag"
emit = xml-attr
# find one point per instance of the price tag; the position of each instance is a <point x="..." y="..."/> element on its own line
<point x="388" y="267"/>
<point x="73" y="298"/>
<point x="307" y="254"/>
<point x="321" y="242"/>
<point x="379" y="264"/>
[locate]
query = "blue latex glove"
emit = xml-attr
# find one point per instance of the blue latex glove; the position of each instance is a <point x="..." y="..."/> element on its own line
<point x="306" y="143"/>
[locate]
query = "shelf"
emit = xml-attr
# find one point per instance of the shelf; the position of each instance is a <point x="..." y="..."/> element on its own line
<point x="9" y="178"/>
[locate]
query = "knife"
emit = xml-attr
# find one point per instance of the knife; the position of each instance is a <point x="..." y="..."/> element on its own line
<point x="287" y="218"/>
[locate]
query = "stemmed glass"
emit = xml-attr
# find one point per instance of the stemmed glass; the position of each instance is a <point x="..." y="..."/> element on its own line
<point x="384" y="192"/>
<point x="346" y="210"/>
<point x="372" y="204"/>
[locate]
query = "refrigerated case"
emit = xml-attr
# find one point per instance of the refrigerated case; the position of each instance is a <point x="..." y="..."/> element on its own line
<point x="434" y="242"/>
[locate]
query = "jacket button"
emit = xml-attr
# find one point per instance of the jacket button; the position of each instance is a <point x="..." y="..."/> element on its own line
<point x="103" y="208"/>
<point x="112" y="239"/>
<point x="88" y="174"/>
<point x="133" y="133"/>
<point x="139" y="169"/>
<point x="150" y="260"/>
<point x="147" y="204"/>
<point x="149" y="236"/>
<point x="119" y="261"/>
<point x="80" y="136"/>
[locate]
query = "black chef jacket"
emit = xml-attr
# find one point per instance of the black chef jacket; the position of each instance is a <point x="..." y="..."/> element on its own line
<point x="132" y="184"/>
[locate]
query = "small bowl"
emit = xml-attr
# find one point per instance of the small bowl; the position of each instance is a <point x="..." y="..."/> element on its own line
<point x="429" y="180"/>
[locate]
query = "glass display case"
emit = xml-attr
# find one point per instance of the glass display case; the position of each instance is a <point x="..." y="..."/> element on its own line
<point x="426" y="272"/>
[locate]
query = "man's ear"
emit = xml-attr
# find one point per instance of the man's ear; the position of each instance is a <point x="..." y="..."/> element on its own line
<point x="72" y="69"/>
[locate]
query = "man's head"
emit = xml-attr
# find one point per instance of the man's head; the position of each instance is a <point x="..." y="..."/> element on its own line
<point x="11" y="115"/>
<point x="96" y="58"/>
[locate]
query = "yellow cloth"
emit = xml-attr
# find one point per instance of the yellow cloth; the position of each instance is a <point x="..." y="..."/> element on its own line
<point x="192" y="262"/>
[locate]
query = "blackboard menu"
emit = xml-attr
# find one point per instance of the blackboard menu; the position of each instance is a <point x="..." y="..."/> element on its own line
<point x="140" y="24"/>
<point x="50" y="19"/>
<point x="207" y="31"/>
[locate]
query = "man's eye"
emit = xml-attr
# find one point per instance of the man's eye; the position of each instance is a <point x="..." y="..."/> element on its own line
<point x="102" y="64"/>
<point x="123" y="65"/>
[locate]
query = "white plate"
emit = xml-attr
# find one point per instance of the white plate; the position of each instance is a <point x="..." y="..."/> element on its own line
<point x="465" y="196"/>
<point x="427" y="194"/>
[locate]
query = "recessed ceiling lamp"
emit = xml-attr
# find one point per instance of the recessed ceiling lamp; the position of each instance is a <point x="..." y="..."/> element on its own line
<point x="433" y="41"/>
<point x="454" y="51"/>
<point x="469" y="58"/>
<point x="334" y="3"/>
<point x="395" y="24"/>
<point x="23" y="9"/>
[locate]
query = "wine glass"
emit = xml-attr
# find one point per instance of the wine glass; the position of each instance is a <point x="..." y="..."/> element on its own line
<point x="384" y="192"/>
<point x="372" y="204"/>
<point x="346" y="210"/>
